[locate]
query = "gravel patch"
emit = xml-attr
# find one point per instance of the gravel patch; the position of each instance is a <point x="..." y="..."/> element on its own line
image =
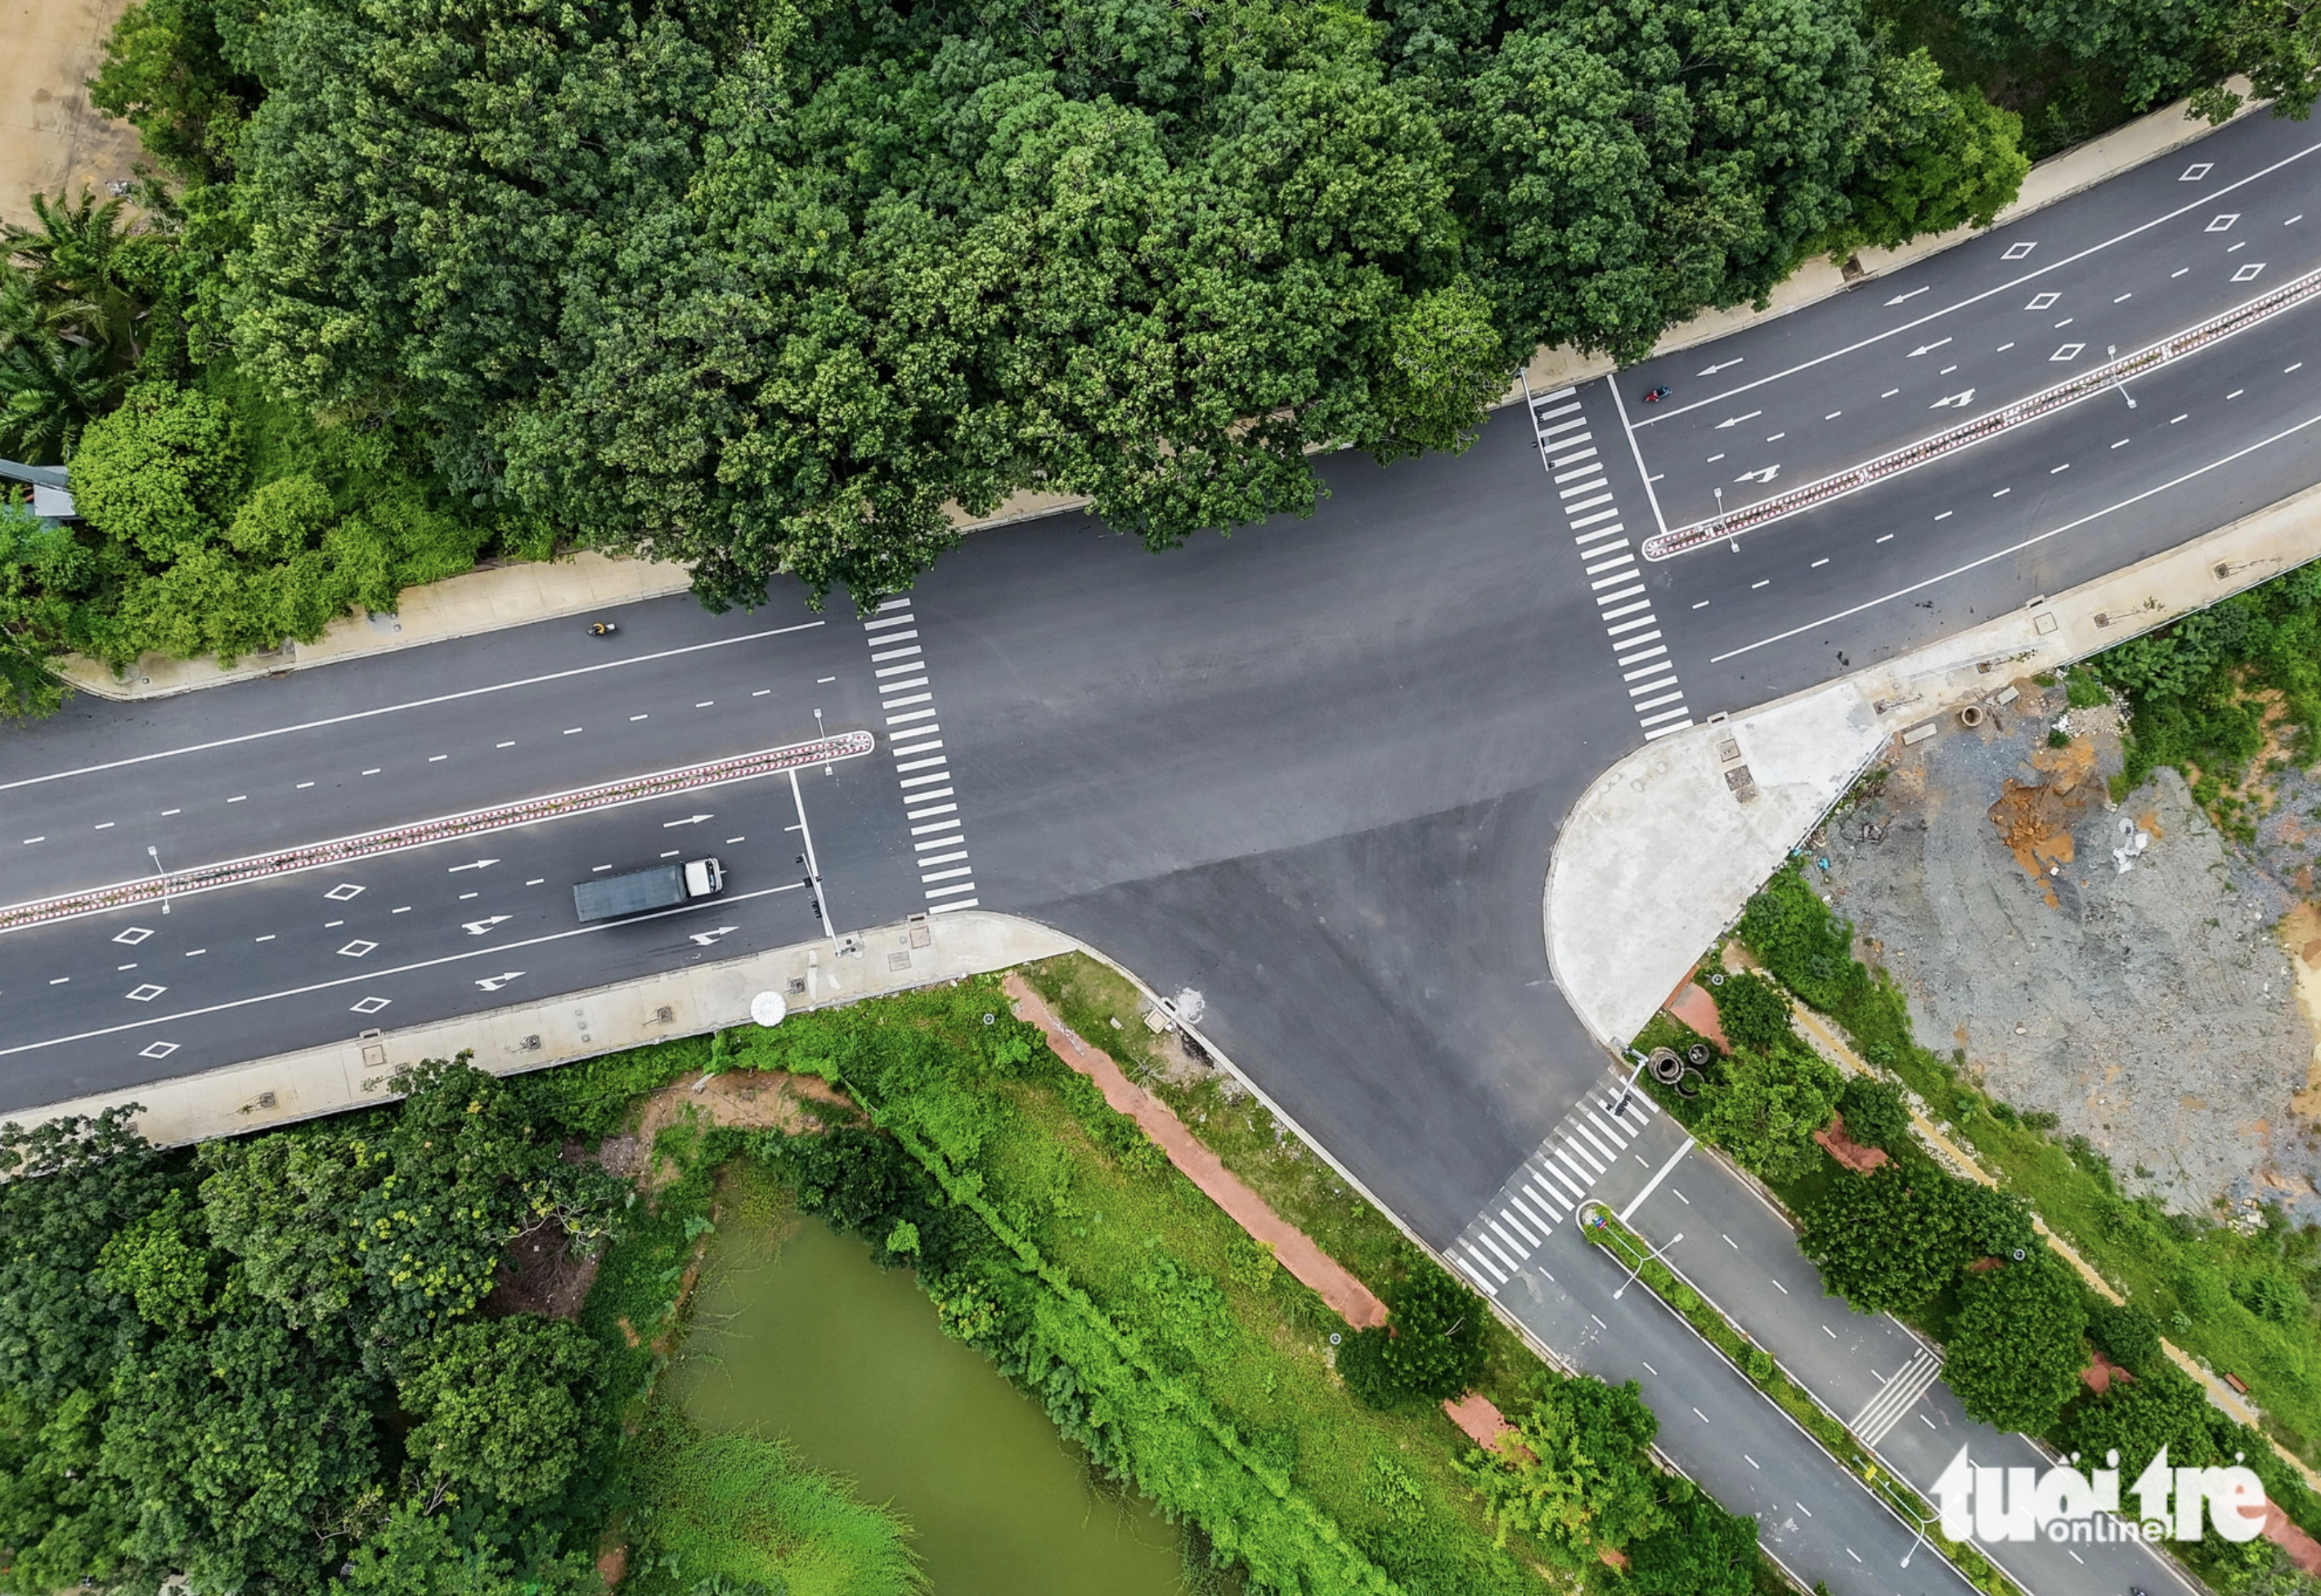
<point x="2116" y="966"/>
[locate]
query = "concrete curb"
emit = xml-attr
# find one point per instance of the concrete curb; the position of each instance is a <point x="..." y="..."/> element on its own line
<point x="466" y="606"/>
<point x="1680" y="833"/>
<point x="264" y="1093"/>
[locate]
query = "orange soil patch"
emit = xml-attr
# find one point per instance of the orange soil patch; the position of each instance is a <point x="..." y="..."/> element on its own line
<point x="2035" y="822"/>
<point x="1691" y="1005"/>
<point x="612" y="1565"/>
<point x="2099" y="1376"/>
<point x="1329" y="1279"/>
<point x="2301" y="1547"/>
<point x="1480" y="1418"/>
<point x="1847" y="1151"/>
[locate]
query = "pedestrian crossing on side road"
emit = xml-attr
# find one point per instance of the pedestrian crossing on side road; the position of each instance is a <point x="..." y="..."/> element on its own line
<point x="1888" y="1409"/>
<point x="1608" y="563"/>
<point x="1550" y="1183"/>
<point x="914" y="742"/>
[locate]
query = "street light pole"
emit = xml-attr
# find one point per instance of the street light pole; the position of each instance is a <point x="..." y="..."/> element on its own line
<point x="155" y="854"/>
<point x="1628" y="1089"/>
<point x="2111" y="353"/>
<point x="1649" y="1255"/>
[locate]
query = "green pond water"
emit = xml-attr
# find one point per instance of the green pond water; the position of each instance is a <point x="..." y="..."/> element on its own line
<point x="811" y="1340"/>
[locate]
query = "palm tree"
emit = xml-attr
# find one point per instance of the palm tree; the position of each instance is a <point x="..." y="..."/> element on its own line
<point x="59" y="370"/>
<point x="81" y="257"/>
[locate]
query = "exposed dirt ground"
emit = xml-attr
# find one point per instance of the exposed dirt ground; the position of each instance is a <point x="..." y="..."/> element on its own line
<point x="52" y="139"/>
<point x="2120" y="967"/>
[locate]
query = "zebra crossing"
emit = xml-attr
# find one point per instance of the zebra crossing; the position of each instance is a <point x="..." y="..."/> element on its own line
<point x="922" y="768"/>
<point x="1609" y="564"/>
<point x="1888" y="1409"/>
<point x="1551" y="1184"/>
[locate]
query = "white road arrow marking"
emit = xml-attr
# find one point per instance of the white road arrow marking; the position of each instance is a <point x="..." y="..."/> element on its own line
<point x="1737" y="420"/>
<point x="1913" y="293"/>
<point x="477" y="928"/>
<point x="691" y="819"/>
<point x="478" y="865"/>
<point x="706" y="938"/>
<point x="1955" y="401"/>
<point x="1767" y="474"/>
<point x="494" y="982"/>
<point x="1721" y="365"/>
<point x="1928" y="349"/>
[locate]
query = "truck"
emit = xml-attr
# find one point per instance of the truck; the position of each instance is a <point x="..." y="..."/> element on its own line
<point x="664" y="886"/>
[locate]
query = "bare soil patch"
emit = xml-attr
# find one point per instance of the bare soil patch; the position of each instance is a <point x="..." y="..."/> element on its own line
<point x="52" y="140"/>
<point x="540" y="1275"/>
<point x="2114" y="966"/>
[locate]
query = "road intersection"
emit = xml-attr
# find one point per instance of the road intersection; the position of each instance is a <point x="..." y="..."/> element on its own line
<point x="1314" y="771"/>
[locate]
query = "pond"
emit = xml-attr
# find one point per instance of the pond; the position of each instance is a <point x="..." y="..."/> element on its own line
<point x="797" y="1332"/>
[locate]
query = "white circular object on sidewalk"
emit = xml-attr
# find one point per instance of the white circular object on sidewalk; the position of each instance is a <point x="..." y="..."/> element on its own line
<point x="767" y="1008"/>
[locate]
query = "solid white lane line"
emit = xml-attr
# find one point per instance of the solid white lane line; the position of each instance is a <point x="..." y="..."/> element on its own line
<point x="2012" y="549"/>
<point x="2007" y="287"/>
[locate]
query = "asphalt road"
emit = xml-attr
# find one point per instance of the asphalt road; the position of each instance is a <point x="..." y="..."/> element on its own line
<point x="1824" y="1525"/>
<point x="2004" y="315"/>
<point x="1314" y="771"/>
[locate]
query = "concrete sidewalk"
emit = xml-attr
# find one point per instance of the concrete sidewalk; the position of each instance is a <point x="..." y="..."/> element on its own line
<point x="494" y="597"/>
<point x="328" y="1080"/>
<point x="1660" y="853"/>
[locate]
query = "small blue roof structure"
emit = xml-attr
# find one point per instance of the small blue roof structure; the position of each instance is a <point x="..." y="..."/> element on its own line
<point x="52" y="488"/>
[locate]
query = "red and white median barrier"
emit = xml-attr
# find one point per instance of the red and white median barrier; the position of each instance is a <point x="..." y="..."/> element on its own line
<point x="345" y="850"/>
<point x="1681" y="539"/>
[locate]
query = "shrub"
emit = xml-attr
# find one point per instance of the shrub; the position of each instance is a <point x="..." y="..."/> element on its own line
<point x="1875" y="1114"/>
<point x="2015" y="1348"/>
<point x="2127" y="1335"/>
<point x="2273" y="1298"/>
<point x="1754" y="1012"/>
<point x="156" y="474"/>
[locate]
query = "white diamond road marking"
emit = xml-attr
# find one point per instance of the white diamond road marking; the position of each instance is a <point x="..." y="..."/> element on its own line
<point x="1608" y="570"/>
<point x="356" y="949"/>
<point x="145" y="994"/>
<point x="157" y="1050"/>
<point x="342" y="892"/>
<point x="133" y="936"/>
<point x="919" y="762"/>
<point x="2017" y="251"/>
<point x="370" y="1005"/>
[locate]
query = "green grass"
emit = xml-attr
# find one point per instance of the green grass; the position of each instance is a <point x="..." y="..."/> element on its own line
<point x="750" y="1508"/>
<point x="2188" y="1272"/>
<point x="1302" y="1188"/>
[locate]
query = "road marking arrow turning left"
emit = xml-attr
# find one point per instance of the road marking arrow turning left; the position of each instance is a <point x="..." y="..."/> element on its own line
<point x="477" y="928"/>
<point x="706" y="938"/>
<point x="494" y="982"/>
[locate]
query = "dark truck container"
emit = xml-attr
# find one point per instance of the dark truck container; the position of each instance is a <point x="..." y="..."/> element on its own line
<point x="664" y="886"/>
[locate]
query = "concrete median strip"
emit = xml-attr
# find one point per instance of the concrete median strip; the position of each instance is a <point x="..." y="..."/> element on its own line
<point x="2006" y="419"/>
<point x="164" y="885"/>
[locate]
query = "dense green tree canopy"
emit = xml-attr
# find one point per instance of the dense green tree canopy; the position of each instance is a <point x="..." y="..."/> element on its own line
<point x="1890" y="1240"/>
<point x="1764" y="1107"/>
<point x="1576" y="1472"/>
<point x="2016" y="1349"/>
